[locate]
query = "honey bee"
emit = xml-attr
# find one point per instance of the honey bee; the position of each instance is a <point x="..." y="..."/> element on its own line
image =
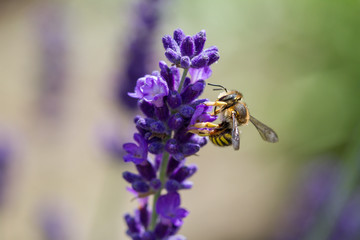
<point x="232" y="113"/>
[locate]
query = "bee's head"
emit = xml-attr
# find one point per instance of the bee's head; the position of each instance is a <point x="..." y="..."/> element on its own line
<point x="238" y="96"/>
<point x="227" y="96"/>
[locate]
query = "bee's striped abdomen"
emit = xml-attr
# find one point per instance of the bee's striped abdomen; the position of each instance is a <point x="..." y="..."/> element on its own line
<point x="222" y="139"/>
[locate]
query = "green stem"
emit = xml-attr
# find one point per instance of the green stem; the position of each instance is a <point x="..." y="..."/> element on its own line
<point x="163" y="167"/>
<point x="183" y="79"/>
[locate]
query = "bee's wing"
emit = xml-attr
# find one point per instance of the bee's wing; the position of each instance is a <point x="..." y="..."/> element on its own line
<point x="235" y="135"/>
<point x="266" y="133"/>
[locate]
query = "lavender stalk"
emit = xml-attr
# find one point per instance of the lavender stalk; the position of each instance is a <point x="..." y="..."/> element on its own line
<point x="170" y="104"/>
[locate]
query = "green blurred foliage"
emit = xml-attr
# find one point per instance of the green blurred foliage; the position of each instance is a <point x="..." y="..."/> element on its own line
<point x="325" y="63"/>
<point x="297" y="63"/>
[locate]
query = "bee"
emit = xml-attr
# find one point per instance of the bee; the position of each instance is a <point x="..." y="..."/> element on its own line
<point x="232" y="112"/>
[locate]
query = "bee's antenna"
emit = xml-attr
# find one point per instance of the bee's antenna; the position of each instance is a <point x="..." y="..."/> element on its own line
<point x="216" y="85"/>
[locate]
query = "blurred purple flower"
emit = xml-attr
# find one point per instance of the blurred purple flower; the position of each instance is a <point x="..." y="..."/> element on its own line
<point x="51" y="24"/>
<point x="54" y="223"/>
<point x="111" y="142"/>
<point x="318" y="185"/>
<point x="5" y="158"/>
<point x="315" y="188"/>
<point x="347" y="226"/>
<point x="138" y="53"/>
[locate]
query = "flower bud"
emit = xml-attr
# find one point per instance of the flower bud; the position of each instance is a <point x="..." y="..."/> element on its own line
<point x="157" y="127"/>
<point x="156" y="147"/>
<point x="199" y="61"/>
<point x="187" y="46"/>
<point x="186" y="185"/>
<point x="144" y="215"/>
<point x="187" y="81"/>
<point x="178" y="156"/>
<point x="190" y="148"/>
<point x="186" y="111"/>
<point x="179" y="36"/>
<point x="131" y="177"/>
<point x="174" y="99"/>
<point x="199" y="40"/>
<point x="185" y="62"/>
<point x="172" y="56"/>
<point x="131" y="223"/>
<point x="170" y="75"/>
<point x="192" y="91"/>
<point x="172" y="146"/>
<point x="192" y="169"/>
<point x="140" y="186"/>
<point x="176" y="121"/>
<point x="162" y="113"/>
<point x="172" y="185"/>
<point x="181" y="174"/>
<point x="146" y="170"/>
<point x="170" y="43"/>
<point x="172" y="165"/>
<point x="147" y="108"/>
<point x="213" y="56"/>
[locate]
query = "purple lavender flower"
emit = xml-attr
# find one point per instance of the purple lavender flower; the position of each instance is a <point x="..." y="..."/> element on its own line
<point x="168" y="208"/>
<point x="170" y="105"/>
<point x="152" y="89"/>
<point x="200" y="73"/>
<point x="136" y="154"/>
<point x="201" y="114"/>
<point x="187" y="51"/>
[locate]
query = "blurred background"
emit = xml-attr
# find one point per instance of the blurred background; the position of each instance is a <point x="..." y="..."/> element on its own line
<point x="65" y="68"/>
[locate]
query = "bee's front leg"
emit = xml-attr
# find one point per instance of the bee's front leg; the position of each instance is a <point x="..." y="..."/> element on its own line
<point x="219" y="104"/>
<point x="216" y="103"/>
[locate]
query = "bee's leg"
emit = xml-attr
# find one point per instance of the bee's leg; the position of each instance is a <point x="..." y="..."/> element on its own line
<point x="216" y="111"/>
<point x="219" y="104"/>
<point x="200" y="132"/>
<point x="205" y="125"/>
<point x="199" y="128"/>
<point x="216" y="103"/>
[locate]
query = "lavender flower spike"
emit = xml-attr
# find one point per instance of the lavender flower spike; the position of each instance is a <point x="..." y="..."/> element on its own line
<point x="171" y="105"/>
<point x="187" y="51"/>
